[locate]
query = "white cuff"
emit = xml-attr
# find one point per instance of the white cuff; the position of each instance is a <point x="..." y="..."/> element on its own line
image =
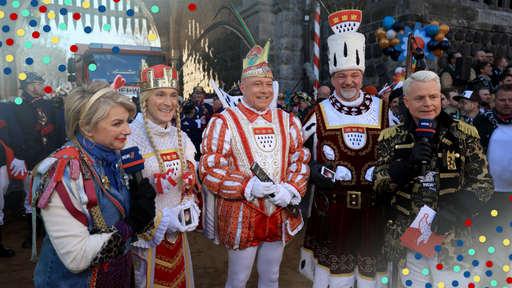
<point x="296" y="198"/>
<point x="247" y="193"/>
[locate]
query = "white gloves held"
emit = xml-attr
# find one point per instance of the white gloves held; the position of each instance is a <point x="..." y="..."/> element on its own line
<point x="283" y="196"/>
<point x="18" y="166"/>
<point x="262" y="189"/>
<point x="175" y="223"/>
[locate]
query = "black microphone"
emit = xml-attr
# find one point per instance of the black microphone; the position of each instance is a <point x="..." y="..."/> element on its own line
<point x="132" y="163"/>
<point x="425" y="131"/>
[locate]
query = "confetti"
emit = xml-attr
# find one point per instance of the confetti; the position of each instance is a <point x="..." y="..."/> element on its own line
<point x="48" y="89"/>
<point x="47" y="28"/>
<point x="9" y="42"/>
<point x="482" y="239"/>
<point x="92" y="67"/>
<point x="417" y="256"/>
<point x="475" y="263"/>
<point x="32" y="23"/>
<point x="55" y="39"/>
<point x="115" y="49"/>
<point x="151" y="37"/>
<point x="456" y="268"/>
<point x="20" y="32"/>
<point x="15" y="4"/>
<point x="86" y="4"/>
<point x="489" y="264"/>
<point x="6" y="28"/>
<point x="440" y="285"/>
<point x="460" y="257"/>
<point x="506" y="242"/>
<point x="13" y="16"/>
<point x="22" y="76"/>
<point x="424" y="271"/>
<point x="130" y="12"/>
<point x="28" y="44"/>
<point x="460" y="243"/>
<point x="491" y="250"/>
<point x="25" y="13"/>
<point x="409" y="283"/>
<point x="494" y="213"/>
<point x="63" y="26"/>
<point x="68" y="2"/>
<point x="63" y="11"/>
<point x="34" y="3"/>
<point x="77" y="16"/>
<point x="385" y="280"/>
<point x="47" y="2"/>
<point x="18" y="100"/>
<point x="2" y="14"/>
<point x="506" y="268"/>
<point x="46" y="59"/>
<point x="155" y="9"/>
<point x="488" y="273"/>
<point x="102" y="8"/>
<point x="499" y="229"/>
<point x="455" y="283"/>
<point x="35" y="34"/>
<point x="7" y="71"/>
<point x="43" y="9"/>
<point x="29" y="61"/>
<point x="192" y="7"/>
<point x="87" y="29"/>
<point x="62" y="68"/>
<point x="468" y="222"/>
<point x="476" y="279"/>
<point x="9" y="58"/>
<point x="73" y="48"/>
<point x="439" y="266"/>
<point x="106" y="27"/>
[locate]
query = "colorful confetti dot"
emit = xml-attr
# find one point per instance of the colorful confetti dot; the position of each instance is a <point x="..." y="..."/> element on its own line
<point x="18" y="100"/>
<point x="62" y="68"/>
<point x="15" y="4"/>
<point x="63" y="26"/>
<point x="106" y="27"/>
<point x="13" y="16"/>
<point x="115" y="49"/>
<point x="460" y="257"/>
<point x="2" y="14"/>
<point x="192" y="7"/>
<point x="0" y="43"/>
<point x="506" y="268"/>
<point x="32" y="23"/>
<point x="437" y="248"/>
<point x="405" y="271"/>
<point x="29" y="61"/>
<point x="9" y="58"/>
<point x="494" y="283"/>
<point x="456" y="268"/>
<point x="68" y="2"/>
<point x="467" y="274"/>
<point x="22" y="76"/>
<point x="47" y="2"/>
<point x="428" y="285"/>
<point x="46" y="59"/>
<point x="494" y="213"/>
<point x="6" y="28"/>
<point x="509" y="280"/>
<point x="35" y="34"/>
<point x="43" y="9"/>
<point x="155" y="9"/>
<point x="440" y="285"/>
<point x="7" y="71"/>
<point x="489" y="264"/>
<point x="73" y="48"/>
<point x="488" y="273"/>
<point x="25" y="13"/>
<point x="425" y="271"/>
<point x="3" y="2"/>
<point x="417" y="256"/>
<point x="409" y="283"/>
<point x="87" y="29"/>
<point x="460" y="243"/>
<point x="468" y="222"/>
<point x="63" y="11"/>
<point x="9" y="42"/>
<point x="48" y="89"/>
<point x="34" y="3"/>
<point x="499" y="229"/>
<point x="86" y="4"/>
<point x="20" y="32"/>
<point x="439" y="266"/>
<point x="28" y="44"/>
<point x="455" y="283"/>
<point x="476" y="279"/>
<point x="475" y="263"/>
<point x="92" y="67"/>
<point x="47" y="28"/>
<point x="471" y="252"/>
<point x="55" y="39"/>
<point x="491" y="250"/>
<point x="77" y="16"/>
<point x="385" y="280"/>
<point x="506" y="242"/>
<point x="51" y="15"/>
<point x="102" y="8"/>
<point x="130" y="12"/>
<point x="151" y="37"/>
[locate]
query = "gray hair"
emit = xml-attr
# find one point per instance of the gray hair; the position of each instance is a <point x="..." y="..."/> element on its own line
<point x="78" y="99"/>
<point x="420" y="76"/>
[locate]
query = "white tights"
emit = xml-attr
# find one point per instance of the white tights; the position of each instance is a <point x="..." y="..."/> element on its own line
<point x="240" y="264"/>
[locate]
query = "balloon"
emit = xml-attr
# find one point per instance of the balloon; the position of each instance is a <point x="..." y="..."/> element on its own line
<point x="384" y="43"/>
<point x="395" y="55"/>
<point x="388" y="51"/>
<point x="434" y="23"/>
<point x="433" y="30"/>
<point x="380" y="33"/>
<point x="439" y="37"/>
<point x="413" y="67"/>
<point x="399" y="70"/>
<point x="395" y="41"/>
<point x="433" y="45"/>
<point x="444" y="45"/>
<point x="401" y="32"/>
<point x="444" y="29"/>
<point x="438" y="52"/>
<point x="388" y="22"/>
<point x="390" y="34"/>
<point x="398" y="26"/>
<point x="419" y="54"/>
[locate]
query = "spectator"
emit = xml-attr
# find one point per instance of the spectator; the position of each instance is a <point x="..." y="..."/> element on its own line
<point x="90" y="220"/>
<point x="323" y="93"/>
<point x="384" y="93"/>
<point x="499" y="64"/>
<point x="372" y="91"/>
<point x="456" y="192"/>
<point x="453" y="105"/>
<point x="37" y="120"/>
<point x="505" y="78"/>
<point x="485" y="98"/>
<point x="394" y="99"/>
<point x="479" y="57"/>
<point x="189" y="126"/>
<point x="217" y="105"/>
<point x="484" y="73"/>
<point x="281" y="97"/>
<point x="444" y="102"/>
<point x="448" y="78"/>
<point x="204" y="111"/>
<point x="509" y="69"/>
<point x="468" y="106"/>
<point x="11" y="137"/>
<point x="489" y="56"/>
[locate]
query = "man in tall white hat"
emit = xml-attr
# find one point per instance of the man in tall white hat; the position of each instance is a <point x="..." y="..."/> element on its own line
<point x="255" y="218"/>
<point x="345" y="233"/>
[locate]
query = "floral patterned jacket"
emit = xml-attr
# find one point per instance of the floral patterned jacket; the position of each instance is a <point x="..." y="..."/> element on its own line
<point x="463" y="181"/>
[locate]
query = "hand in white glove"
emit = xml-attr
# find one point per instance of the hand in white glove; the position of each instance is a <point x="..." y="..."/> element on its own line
<point x="283" y="196"/>
<point x="175" y="224"/>
<point x="195" y="215"/>
<point x="18" y="166"/>
<point x="262" y="189"/>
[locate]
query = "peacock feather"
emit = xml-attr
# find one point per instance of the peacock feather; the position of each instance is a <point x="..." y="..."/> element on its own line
<point x="233" y="11"/>
<point x="332" y="6"/>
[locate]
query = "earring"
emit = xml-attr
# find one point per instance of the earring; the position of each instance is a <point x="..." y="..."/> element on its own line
<point x="94" y="143"/>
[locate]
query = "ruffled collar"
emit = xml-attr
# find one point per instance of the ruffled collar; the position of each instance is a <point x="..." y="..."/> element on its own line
<point x="354" y="103"/>
<point x="252" y="114"/>
<point x="155" y="130"/>
<point x="353" y="108"/>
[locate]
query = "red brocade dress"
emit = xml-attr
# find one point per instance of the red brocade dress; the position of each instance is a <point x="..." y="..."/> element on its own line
<point x="346" y="244"/>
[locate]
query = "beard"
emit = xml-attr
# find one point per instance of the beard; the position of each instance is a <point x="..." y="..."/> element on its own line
<point x="348" y="94"/>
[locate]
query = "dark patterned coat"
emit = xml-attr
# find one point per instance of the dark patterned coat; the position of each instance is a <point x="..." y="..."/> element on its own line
<point x="463" y="180"/>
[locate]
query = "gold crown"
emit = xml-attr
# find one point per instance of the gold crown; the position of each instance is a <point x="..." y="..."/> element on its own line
<point x="344" y="18"/>
<point x="336" y="20"/>
<point x="158" y="76"/>
<point x="353" y="17"/>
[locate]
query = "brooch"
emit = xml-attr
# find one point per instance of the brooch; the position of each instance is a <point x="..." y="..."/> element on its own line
<point x="105" y="182"/>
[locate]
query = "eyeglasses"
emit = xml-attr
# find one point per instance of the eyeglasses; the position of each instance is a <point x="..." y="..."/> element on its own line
<point x="464" y="102"/>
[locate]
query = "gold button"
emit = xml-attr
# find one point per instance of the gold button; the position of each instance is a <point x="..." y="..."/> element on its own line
<point x="390" y="222"/>
<point x="353" y="203"/>
<point x="334" y="202"/>
<point x="333" y="195"/>
<point x="353" y="196"/>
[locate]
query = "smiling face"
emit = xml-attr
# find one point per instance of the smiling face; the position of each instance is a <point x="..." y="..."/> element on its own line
<point x="161" y="106"/>
<point x="112" y="130"/>
<point x="258" y="92"/>
<point x="347" y="84"/>
<point x="424" y="100"/>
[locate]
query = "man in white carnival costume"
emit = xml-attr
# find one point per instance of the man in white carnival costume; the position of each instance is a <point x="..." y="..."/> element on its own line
<point x="253" y="217"/>
<point x="345" y="233"/>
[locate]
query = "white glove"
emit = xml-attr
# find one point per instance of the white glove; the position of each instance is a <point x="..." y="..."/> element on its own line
<point x="195" y="215"/>
<point x="175" y="224"/>
<point x="18" y="166"/>
<point x="262" y="189"/>
<point x="283" y="196"/>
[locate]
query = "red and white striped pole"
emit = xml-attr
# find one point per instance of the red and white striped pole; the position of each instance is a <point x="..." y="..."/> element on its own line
<point x="317" y="45"/>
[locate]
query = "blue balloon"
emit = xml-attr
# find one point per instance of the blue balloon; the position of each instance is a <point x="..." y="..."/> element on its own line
<point x="433" y="45"/>
<point x="433" y="30"/>
<point x="388" y="22"/>
<point x="444" y="45"/>
<point x="398" y="26"/>
<point x="388" y="51"/>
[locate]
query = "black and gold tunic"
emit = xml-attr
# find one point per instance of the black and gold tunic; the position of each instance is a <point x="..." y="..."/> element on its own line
<point x="463" y="181"/>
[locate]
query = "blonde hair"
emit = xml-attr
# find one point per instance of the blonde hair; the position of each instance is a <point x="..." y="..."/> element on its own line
<point x="144" y="96"/>
<point x="78" y="99"/>
<point x="420" y="76"/>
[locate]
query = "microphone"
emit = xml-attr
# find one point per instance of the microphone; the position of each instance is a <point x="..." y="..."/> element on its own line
<point x="424" y="132"/>
<point x="132" y="163"/>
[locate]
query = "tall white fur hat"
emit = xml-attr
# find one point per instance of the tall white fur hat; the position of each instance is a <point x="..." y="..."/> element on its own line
<point x="346" y="52"/>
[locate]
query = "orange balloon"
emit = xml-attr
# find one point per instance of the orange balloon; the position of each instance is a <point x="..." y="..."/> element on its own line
<point x="438" y="52"/>
<point x="413" y="67"/>
<point x="434" y="23"/>
<point x="444" y="29"/>
<point x="380" y="33"/>
<point x="384" y="43"/>
<point x="401" y="32"/>
<point x="395" y="42"/>
<point x="439" y="37"/>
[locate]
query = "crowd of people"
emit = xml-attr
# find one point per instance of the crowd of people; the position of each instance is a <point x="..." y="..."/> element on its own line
<point x="359" y="156"/>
